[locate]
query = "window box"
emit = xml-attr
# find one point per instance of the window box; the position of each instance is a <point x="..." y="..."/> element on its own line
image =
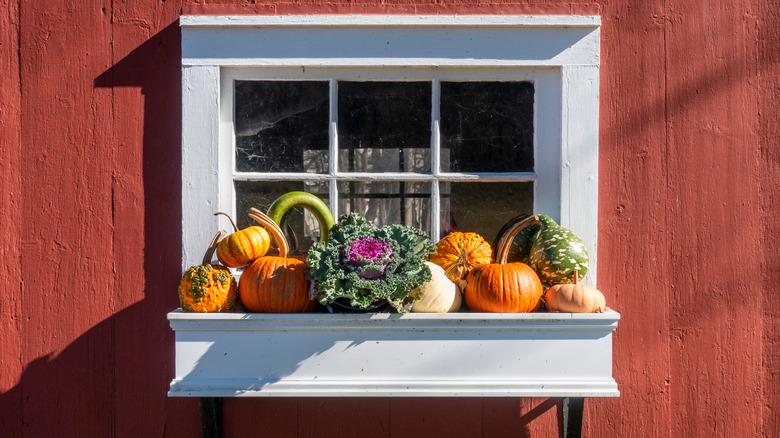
<point x="389" y="355"/>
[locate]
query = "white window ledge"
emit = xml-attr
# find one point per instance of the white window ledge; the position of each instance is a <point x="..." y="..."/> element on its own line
<point x="389" y="355"/>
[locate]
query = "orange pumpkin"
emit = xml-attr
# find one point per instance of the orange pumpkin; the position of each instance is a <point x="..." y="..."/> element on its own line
<point x="275" y="284"/>
<point x="458" y="253"/>
<point x="242" y="246"/>
<point x="503" y="287"/>
<point x="207" y="287"/>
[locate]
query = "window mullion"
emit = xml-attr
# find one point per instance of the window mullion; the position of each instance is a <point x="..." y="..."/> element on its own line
<point x="435" y="162"/>
<point x="333" y="156"/>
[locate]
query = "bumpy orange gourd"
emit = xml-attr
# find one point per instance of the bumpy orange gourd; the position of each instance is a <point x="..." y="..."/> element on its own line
<point x="503" y="287"/>
<point x="575" y="298"/>
<point x="242" y="246"/>
<point x="275" y="284"/>
<point x="458" y="253"/>
<point x="207" y="287"/>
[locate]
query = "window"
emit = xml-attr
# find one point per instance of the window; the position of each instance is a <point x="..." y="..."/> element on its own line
<point x="443" y="123"/>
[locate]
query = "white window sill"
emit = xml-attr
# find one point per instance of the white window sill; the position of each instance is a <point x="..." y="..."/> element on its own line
<point x="391" y="355"/>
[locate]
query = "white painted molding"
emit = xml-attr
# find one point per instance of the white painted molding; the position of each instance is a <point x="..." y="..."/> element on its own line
<point x="389" y="355"/>
<point x="390" y="40"/>
<point x="391" y="20"/>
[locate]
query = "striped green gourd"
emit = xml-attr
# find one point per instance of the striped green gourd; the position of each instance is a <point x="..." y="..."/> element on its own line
<point x="554" y="252"/>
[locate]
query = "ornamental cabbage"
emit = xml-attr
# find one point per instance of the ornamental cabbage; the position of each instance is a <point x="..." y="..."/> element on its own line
<point x="364" y="264"/>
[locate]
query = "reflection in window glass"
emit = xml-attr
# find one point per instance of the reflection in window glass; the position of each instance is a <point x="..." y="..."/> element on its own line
<point x="302" y="227"/>
<point x="487" y="126"/>
<point x="392" y="202"/>
<point x="281" y="126"/>
<point x="483" y="207"/>
<point x="384" y="126"/>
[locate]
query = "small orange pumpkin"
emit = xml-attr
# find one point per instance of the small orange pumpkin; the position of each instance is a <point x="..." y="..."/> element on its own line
<point x="503" y="287"/>
<point x="275" y="284"/>
<point x="458" y="253"/>
<point x="207" y="287"/>
<point x="575" y="298"/>
<point x="242" y="246"/>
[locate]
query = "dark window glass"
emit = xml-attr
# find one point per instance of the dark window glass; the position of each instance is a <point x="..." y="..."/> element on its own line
<point x="281" y="126"/>
<point x="487" y="126"/>
<point x="301" y="227"/>
<point x="384" y="126"/>
<point x="483" y="207"/>
<point x="392" y="202"/>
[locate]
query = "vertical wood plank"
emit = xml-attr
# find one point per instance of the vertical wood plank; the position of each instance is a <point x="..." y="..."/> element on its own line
<point x="11" y="220"/>
<point x="712" y="132"/>
<point x="344" y="417"/>
<point x="66" y="234"/>
<point x="260" y="417"/>
<point x="145" y="82"/>
<point x="767" y="53"/>
<point x="427" y="417"/>
<point x="634" y="257"/>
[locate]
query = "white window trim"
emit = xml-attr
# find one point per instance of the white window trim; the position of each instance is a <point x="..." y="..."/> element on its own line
<point x="560" y="52"/>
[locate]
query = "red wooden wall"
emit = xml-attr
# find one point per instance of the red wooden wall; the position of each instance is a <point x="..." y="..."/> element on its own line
<point x="89" y="225"/>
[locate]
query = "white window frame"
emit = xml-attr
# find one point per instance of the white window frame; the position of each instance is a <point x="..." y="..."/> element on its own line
<point x="559" y="53"/>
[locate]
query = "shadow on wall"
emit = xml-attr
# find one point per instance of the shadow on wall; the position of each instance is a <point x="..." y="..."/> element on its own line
<point x="113" y="379"/>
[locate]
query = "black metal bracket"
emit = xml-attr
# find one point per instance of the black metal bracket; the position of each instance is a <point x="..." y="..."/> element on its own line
<point x="571" y="420"/>
<point x="211" y="417"/>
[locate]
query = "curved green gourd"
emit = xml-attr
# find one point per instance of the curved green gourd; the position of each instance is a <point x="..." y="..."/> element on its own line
<point x="315" y="205"/>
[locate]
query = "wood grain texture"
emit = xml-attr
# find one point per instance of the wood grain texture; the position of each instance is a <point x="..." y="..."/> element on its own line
<point x="767" y="71"/>
<point x="633" y="241"/>
<point x="67" y="174"/>
<point x="689" y="178"/>
<point x="11" y="365"/>
<point x="712" y="127"/>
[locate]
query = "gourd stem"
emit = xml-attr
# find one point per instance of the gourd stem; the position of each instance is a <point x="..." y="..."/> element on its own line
<point x="235" y="228"/>
<point x="576" y="276"/>
<point x="502" y="249"/>
<point x="213" y="247"/>
<point x="272" y="228"/>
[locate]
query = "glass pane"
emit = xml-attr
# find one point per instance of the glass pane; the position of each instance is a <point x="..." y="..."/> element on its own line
<point x="483" y="207"/>
<point x="303" y="227"/>
<point x="384" y="203"/>
<point x="487" y="126"/>
<point x="281" y="126"/>
<point x="384" y="126"/>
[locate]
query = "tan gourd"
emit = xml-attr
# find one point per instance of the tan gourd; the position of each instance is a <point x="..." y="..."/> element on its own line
<point x="439" y="295"/>
<point x="575" y="298"/>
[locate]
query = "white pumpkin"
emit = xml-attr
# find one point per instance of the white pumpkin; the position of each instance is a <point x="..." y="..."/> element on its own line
<point x="440" y="295"/>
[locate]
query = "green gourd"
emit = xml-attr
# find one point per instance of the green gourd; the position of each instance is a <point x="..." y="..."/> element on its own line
<point x="554" y="252"/>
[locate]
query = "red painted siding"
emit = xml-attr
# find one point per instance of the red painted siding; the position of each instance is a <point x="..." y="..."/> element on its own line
<point x="89" y="226"/>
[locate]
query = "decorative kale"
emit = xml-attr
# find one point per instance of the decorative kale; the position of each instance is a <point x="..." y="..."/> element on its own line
<point x="365" y="264"/>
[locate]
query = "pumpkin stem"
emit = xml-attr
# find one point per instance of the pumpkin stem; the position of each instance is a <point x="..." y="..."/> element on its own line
<point x="502" y="246"/>
<point x="213" y="247"/>
<point x="576" y="276"/>
<point x="235" y="228"/>
<point x="272" y="228"/>
<point x="463" y="260"/>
